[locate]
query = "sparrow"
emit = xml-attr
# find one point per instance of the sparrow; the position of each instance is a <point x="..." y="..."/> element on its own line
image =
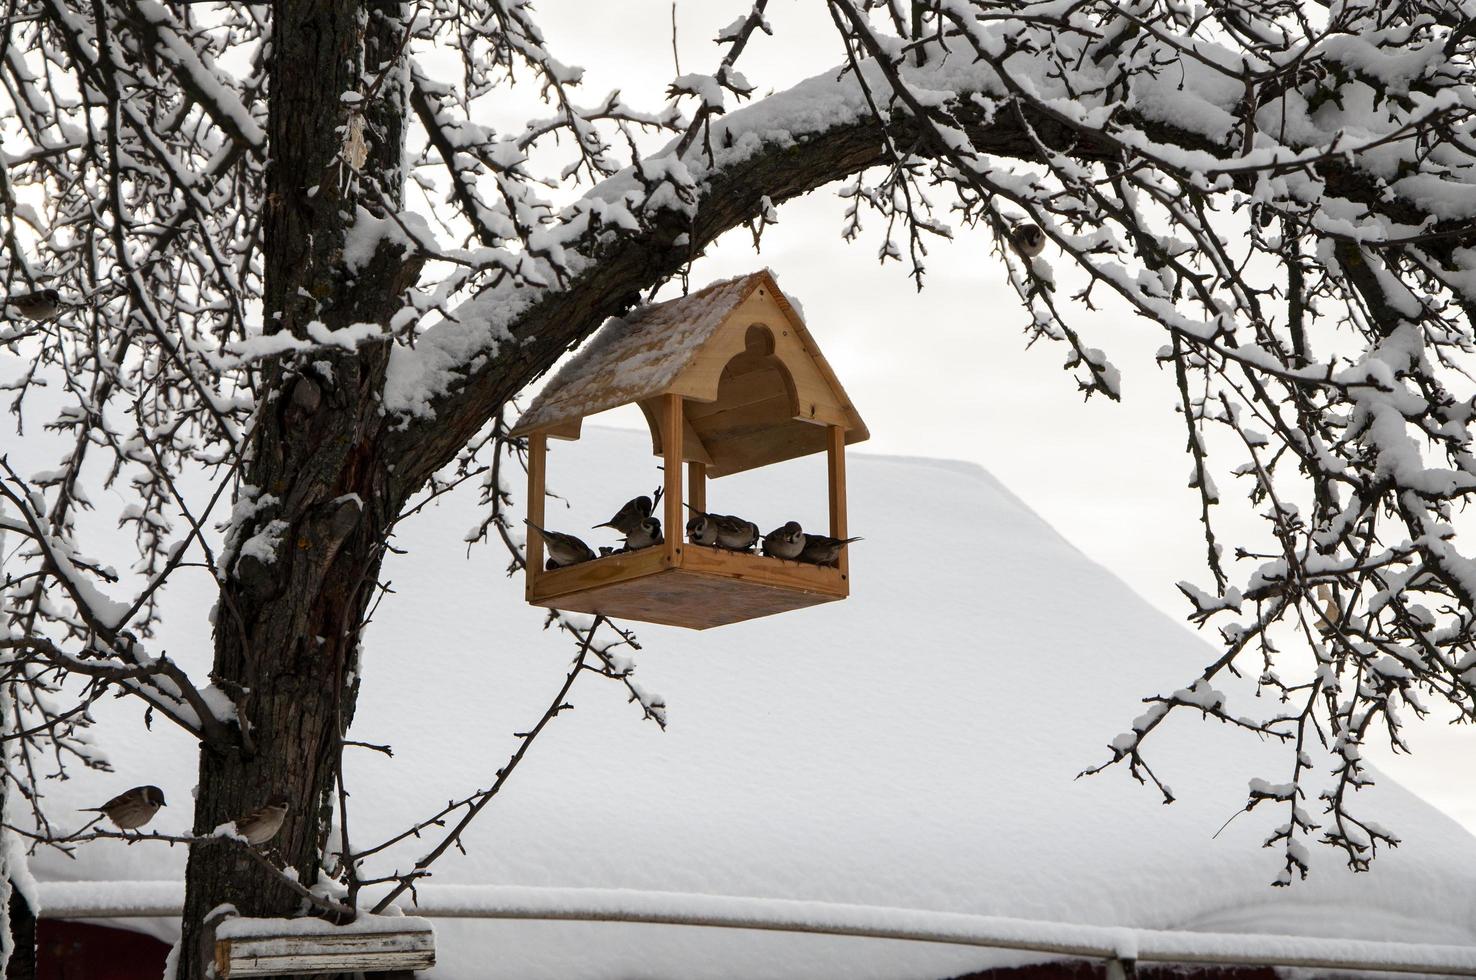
<point x="644" y="535"/>
<point x="701" y="530"/>
<point x="262" y="824"/>
<point x="563" y="549"/>
<point x="822" y="550"/>
<point x="1028" y="240"/>
<point x="785" y="542"/>
<point x="734" y="533"/>
<point x="36" y="306"/>
<point x="723" y="530"/>
<point x="637" y="509"/>
<point x="133" y="809"/>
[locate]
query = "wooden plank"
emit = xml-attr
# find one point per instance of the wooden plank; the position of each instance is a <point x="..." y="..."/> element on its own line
<point x="746" y="379"/>
<point x="692" y="447"/>
<point x="602" y="571"/>
<point x="700" y="377"/>
<point x="739" y="421"/>
<point x="537" y="464"/>
<point x="693" y="600"/>
<point x="697" y="485"/>
<point x="308" y="946"/>
<point x="790" y="440"/>
<point x="248" y="965"/>
<point x="764" y="571"/>
<point x="836" y="469"/>
<point x="671" y="456"/>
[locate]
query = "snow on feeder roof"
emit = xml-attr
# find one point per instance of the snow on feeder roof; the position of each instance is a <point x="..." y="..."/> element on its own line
<point x="757" y="388"/>
<point x="729" y="379"/>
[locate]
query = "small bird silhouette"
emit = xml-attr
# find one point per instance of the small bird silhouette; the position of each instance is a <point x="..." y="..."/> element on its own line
<point x="37" y="305"/>
<point x="262" y="824"/>
<point x="786" y="541"/>
<point x="645" y="534"/>
<point x="563" y="549"/>
<point x="822" y="550"/>
<point x="637" y="509"/>
<point x="1028" y="240"/>
<point x="133" y="809"/>
<point x="723" y="530"/>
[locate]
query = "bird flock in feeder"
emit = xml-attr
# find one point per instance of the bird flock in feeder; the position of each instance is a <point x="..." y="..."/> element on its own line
<point x="635" y="521"/>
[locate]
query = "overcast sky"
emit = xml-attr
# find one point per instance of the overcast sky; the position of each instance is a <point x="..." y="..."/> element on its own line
<point x="945" y="372"/>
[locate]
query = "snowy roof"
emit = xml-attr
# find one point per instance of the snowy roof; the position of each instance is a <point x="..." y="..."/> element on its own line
<point x="689" y="346"/>
<point x="916" y="747"/>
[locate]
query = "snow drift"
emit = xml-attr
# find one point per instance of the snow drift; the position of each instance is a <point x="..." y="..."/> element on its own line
<point x="915" y="746"/>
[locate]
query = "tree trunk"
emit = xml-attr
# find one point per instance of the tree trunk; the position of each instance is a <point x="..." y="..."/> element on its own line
<point x="321" y="492"/>
<point x="22" y="925"/>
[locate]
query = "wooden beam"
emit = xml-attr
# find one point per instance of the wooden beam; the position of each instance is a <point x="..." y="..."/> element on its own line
<point x="836" y="459"/>
<point x="537" y="463"/>
<point x="671" y="437"/>
<point x="697" y="485"/>
<point x="280" y="947"/>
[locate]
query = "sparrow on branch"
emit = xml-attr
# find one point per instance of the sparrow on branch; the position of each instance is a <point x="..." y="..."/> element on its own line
<point x="39" y="305"/>
<point x="133" y="809"/>
<point x="262" y="824"/>
<point x="1028" y="240"/>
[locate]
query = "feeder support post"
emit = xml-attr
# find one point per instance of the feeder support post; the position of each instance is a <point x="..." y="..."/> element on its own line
<point x="697" y="484"/>
<point x="537" y="460"/>
<point x="836" y="458"/>
<point x="671" y="450"/>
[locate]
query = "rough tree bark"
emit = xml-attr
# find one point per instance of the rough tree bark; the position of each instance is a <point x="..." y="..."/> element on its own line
<point x="22" y="965"/>
<point x="287" y="630"/>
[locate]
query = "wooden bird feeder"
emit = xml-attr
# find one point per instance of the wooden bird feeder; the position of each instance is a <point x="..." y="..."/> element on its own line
<point x="247" y="947"/>
<point x="729" y="380"/>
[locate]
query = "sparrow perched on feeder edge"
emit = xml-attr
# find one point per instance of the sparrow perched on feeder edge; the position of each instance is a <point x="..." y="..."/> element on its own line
<point x="822" y="550"/>
<point x="563" y="549"/>
<point x="133" y="809"/>
<point x="723" y="530"/>
<point x="637" y="509"/>
<point x="1028" y="240"/>
<point x="645" y="534"/>
<point x="785" y="542"/>
<point x="262" y="824"/>
<point x="701" y="530"/>
<point x="37" y="305"/>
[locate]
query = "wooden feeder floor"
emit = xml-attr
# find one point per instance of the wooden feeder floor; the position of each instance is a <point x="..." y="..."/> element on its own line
<point x="698" y="588"/>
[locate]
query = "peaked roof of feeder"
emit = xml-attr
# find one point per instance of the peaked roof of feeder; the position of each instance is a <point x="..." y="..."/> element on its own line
<point x="639" y="356"/>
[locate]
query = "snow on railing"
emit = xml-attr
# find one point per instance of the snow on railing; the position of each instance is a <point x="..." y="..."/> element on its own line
<point x="133" y="899"/>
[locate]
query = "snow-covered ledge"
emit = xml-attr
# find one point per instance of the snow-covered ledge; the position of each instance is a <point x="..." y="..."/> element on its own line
<point x="77" y="899"/>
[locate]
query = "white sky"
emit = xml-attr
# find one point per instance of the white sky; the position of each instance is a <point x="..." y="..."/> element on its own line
<point x="945" y="372"/>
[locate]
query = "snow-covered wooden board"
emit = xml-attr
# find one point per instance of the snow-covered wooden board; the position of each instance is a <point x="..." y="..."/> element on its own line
<point x="274" y="947"/>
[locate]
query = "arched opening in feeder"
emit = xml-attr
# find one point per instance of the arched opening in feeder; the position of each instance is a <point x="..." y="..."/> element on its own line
<point x="729" y="380"/>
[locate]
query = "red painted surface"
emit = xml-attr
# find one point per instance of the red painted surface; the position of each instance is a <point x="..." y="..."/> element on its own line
<point x="80" y="951"/>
